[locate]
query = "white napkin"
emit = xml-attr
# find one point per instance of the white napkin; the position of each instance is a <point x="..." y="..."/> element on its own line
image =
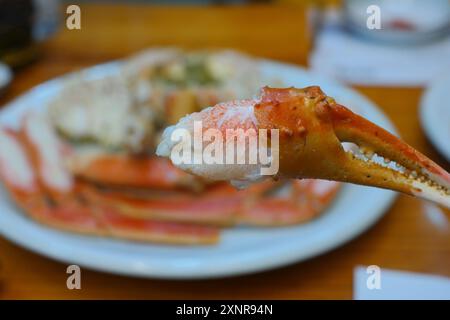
<point x="355" y="60"/>
<point x="399" y="285"/>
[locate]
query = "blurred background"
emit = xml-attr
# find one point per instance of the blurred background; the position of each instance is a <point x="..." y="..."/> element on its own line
<point x="392" y="58"/>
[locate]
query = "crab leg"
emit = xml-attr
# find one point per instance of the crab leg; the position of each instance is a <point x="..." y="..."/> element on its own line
<point x="130" y="171"/>
<point x="312" y="128"/>
<point x="293" y="202"/>
<point x="139" y="229"/>
<point x="183" y="207"/>
<point x="51" y="200"/>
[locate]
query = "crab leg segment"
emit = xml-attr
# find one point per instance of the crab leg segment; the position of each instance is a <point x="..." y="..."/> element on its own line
<point x="133" y="171"/>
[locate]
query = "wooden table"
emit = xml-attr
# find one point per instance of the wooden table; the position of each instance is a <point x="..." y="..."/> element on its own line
<point x="404" y="239"/>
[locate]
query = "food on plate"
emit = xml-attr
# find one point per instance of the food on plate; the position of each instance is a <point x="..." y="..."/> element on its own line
<point x="55" y="199"/>
<point x="87" y="163"/>
<point x="122" y="111"/>
<point x="32" y="167"/>
<point x="103" y="112"/>
<point x="113" y="122"/>
<point x="310" y="129"/>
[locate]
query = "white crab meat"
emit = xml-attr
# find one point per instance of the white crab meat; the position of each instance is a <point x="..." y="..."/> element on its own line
<point x="105" y="113"/>
<point x="198" y="132"/>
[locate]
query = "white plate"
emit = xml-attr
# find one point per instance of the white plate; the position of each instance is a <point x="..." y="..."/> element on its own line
<point x="435" y="114"/>
<point x="241" y="249"/>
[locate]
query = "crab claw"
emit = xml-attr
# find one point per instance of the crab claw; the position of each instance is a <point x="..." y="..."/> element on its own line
<point x="406" y="169"/>
<point x="311" y="128"/>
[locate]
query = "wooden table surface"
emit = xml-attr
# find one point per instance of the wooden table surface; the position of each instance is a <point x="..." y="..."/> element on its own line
<point x="403" y="239"/>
